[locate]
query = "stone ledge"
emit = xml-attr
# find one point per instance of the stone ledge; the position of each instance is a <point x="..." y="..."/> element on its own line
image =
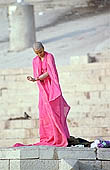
<point x="34" y="164"/>
<point x="103" y="154"/>
<point x="76" y="153"/>
<point x="47" y="153"/>
<point x="54" y="158"/>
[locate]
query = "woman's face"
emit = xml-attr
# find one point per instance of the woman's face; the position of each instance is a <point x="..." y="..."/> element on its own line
<point x="40" y="52"/>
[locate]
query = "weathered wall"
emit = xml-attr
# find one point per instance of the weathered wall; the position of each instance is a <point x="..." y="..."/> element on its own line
<point x="85" y="87"/>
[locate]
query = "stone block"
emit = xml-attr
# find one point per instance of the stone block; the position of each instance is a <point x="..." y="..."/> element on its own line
<point x="106" y="165"/>
<point x="89" y="87"/>
<point x="69" y="164"/>
<point x="90" y="131"/>
<point x="15" y="77"/>
<point x="34" y="164"/>
<point x="80" y="59"/>
<point x="25" y="124"/>
<point x="107" y="87"/>
<point x="15" y="164"/>
<point x="4" y="164"/>
<point x="80" y="108"/>
<point x="31" y="140"/>
<point x="9" y="154"/>
<point x="29" y="152"/>
<point x="25" y="152"/>
<point x="31" y="133"/>
<point x="99" y="121"/>
<point x="2" y="124"/>
<point x="108" y="72"/>
<point x="9" y="142"/>
<point x="13" y="134"/>
<point x="76" y="153"/>
<point x="46" y="152"/>
<point x="103" y="154"/>
<point x="90" y="165"/>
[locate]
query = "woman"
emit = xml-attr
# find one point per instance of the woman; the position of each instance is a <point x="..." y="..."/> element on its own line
<point x="53" y="109"/>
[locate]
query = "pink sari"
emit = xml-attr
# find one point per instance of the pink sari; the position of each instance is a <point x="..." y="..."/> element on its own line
<point x="53" y="109"/>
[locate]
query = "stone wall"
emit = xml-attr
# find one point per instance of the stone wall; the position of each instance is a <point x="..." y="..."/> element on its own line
<point x="54" y="158"/>
<point x="86" y="88"/>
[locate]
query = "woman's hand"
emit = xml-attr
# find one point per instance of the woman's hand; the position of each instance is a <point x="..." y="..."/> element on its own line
<point x="31" y="79"/>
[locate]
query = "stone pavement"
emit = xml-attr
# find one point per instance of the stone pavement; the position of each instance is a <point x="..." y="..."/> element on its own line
<point x="72" y="38"/>
<point x="54" y="158"/>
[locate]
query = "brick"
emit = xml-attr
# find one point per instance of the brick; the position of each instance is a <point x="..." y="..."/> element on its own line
<point x="77" y="114"/>
<point x="13" y="134"/>
<point x="89" y="131"/>
<point x="2" y="77"/>
<point x="31" y="140"/>
<point x="2" y="124"/>
<point x="34" y="164"/>
<point x="47" y="152"/>
<point x="91" y="66"/>
<point x="26" y="152"/>
<point x="76" y="153"/>
<point x="103" y="153"/>
<point x="107" y="72"/>
<point x="89" y="122"/>
<point x="13" y="112"/>
<point x="31" y="133"/>
<point x="9" y="154"/>
<point x="12" y="92"/>
<point x="4" y="164"/>
<point x="107" y="87"/>
<point x="106" y="165"/>
<point x="80" y="108"/>
<point x="10" y="142"/>
<point x="70" y="100"/>
<point x="90" y="165"/>
<point x="106" y="79"/>
<point x="16" y="78"/>
<point x="80" y="60"/>
<point x="25" y="124"/>
<point x="15" y="164"/>
<point x="29" y="152"/>
<point x="15" y="71"/>
<point x="19" y="85"/>
<point x="89" y="87"/>
<point x="99" y="109"/>
<point x="105" y="94"/>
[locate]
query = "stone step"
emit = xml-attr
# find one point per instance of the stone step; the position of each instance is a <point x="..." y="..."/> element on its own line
<point x="54" y="158"/>
<point x="19" y="124"/>
<point x="11" y="142"/>
<point x="19" y="133"/>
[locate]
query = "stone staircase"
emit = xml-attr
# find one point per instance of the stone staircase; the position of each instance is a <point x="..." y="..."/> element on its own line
<point x="86" y="88"/>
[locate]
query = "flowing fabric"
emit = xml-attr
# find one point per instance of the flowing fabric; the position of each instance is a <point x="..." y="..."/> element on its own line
<point x="53" y="109"/>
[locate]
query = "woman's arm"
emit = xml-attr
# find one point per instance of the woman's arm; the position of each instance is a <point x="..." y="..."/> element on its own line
<point x="43" y="76"/>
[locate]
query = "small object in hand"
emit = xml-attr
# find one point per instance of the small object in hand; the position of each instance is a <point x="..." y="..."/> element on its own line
<point x="29" y="78"/>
